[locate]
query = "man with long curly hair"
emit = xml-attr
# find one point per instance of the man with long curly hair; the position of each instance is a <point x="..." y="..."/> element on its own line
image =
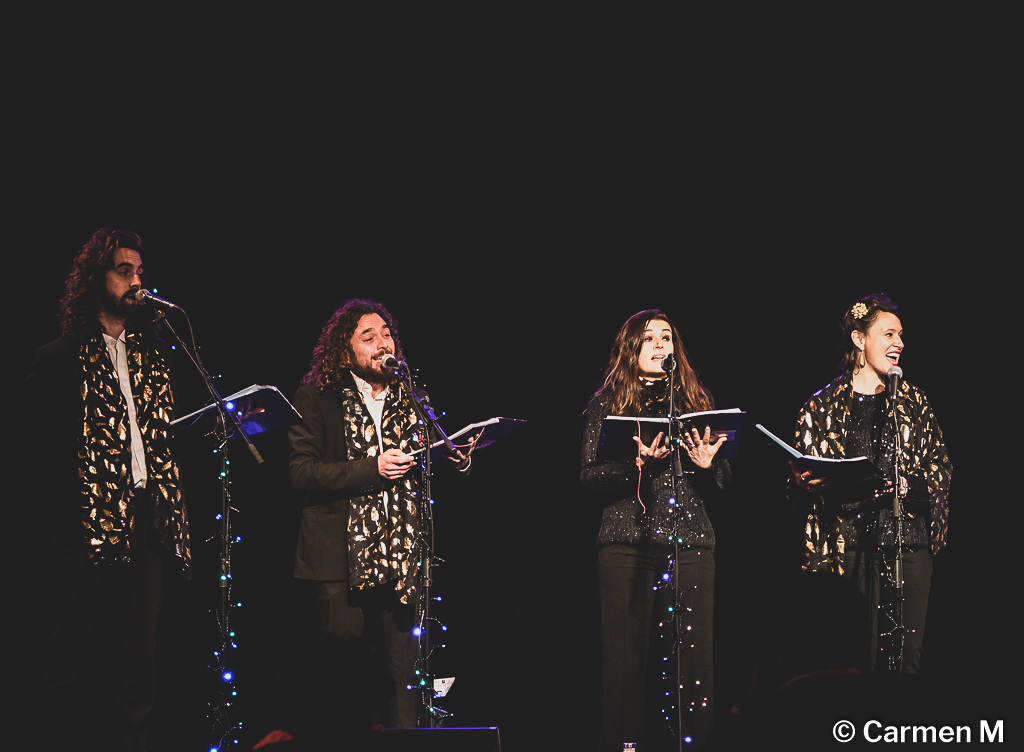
<point x="353" y="455"/>
<point x="96" y="432"/>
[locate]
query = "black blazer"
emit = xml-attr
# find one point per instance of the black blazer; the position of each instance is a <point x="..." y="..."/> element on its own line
<point x="320" y="465"/>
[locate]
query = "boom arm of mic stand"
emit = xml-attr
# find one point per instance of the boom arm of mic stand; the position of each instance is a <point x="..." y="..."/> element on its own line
<point x="194" y="357"/>
<point x="425" y="412"/>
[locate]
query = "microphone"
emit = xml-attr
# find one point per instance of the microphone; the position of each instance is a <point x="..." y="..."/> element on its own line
<point x="145" y="296"/>
<point x="895" y="373"/>
<point x="390" y="363"/>
<point x="669" y="363"/>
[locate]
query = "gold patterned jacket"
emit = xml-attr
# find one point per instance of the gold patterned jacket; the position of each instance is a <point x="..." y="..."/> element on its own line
<point x="355" y="525"/>
<point x="78" y="446"/>
<point x="821" y="432"/>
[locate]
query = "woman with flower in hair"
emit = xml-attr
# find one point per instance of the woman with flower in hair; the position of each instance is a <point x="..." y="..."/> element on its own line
<point x="647" y="533"/>
<point x="856" y="536"/>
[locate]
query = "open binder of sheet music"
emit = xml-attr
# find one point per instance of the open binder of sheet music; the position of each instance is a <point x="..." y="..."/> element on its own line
<point x="617" y="431"/>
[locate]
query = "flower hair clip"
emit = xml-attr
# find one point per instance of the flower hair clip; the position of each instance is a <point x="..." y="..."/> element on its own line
<point x="859" y="310"/>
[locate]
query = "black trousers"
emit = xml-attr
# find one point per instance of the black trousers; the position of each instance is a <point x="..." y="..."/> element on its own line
<point x="636" y="637"/>
<point x="378" y="616"/>
<point x="100" y="653"/>
<point x="865" y="568"/>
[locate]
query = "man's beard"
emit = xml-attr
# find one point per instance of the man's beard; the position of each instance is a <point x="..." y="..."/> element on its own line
<point x="120" y="307"/>
<point x="372" y="376"/>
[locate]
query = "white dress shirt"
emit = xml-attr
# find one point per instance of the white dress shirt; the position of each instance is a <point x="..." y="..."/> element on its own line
<point x="118" y="350"/>
<point x="374" y="404"/>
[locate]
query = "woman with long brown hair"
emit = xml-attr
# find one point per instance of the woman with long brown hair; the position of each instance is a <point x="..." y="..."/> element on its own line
<point x="649" y="536"/>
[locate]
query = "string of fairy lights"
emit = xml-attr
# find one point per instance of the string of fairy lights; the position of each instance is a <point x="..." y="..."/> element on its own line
<point x="681" y="691"/>
<point x="423" y="669"/>
<point x="423" y="548"/>
<point x="890" y="628"/>
<point x="224" y="731"/>
<point x="225" y="693"/>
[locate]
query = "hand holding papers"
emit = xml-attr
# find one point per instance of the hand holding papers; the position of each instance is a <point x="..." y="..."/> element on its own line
<point x="815" y="474"/>
<point x="475" y="436"/>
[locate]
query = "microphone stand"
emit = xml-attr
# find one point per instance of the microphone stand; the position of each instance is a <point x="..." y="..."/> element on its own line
<point x="896" y="661"/>
<point x="435" y="715"/>
<point x="218" y="714"/>
<point x="674" y="442"/>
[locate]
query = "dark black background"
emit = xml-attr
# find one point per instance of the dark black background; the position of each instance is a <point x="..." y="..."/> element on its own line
<point x="513" y="189"/>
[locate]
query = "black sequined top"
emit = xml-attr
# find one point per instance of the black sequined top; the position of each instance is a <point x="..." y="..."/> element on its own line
<point x="866" y="524"/>
<point x="625" y="520"/>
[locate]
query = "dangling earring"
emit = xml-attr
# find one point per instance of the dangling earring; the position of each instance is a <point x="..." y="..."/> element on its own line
<point x="861" y="362"/>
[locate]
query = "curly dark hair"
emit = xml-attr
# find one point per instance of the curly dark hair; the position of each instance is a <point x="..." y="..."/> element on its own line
<point x="86" y="284"/>
<point x="874" y="304"/>
<point x="622" y="374"/>
<point x="333" y="354"/>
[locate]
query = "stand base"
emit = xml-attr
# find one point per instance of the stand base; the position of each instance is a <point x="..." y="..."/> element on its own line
<point x="441" y="740"/>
